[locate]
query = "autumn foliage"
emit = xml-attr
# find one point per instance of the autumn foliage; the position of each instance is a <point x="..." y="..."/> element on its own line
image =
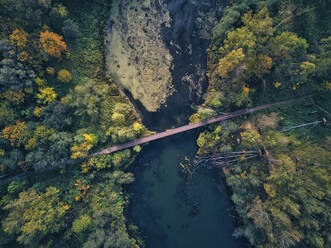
<point x="19" y="38"/>
<point x="52" y="44"/>
<point x="14" y="96"/>
<point x="15" y="134"/>
<point x="64" y="76"/>
<point x="50" y="70"/>
<point x="47" y="95"/>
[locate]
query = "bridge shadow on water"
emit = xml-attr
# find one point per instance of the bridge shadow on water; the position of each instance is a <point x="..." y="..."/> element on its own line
<point x="173" y="211"/>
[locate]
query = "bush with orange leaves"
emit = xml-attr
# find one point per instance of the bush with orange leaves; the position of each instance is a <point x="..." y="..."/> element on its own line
<point x="52" y="44"/>
<point x="81" y="188"/>
<point x="19" y="38"/>
<point x="14" y="96"/>
<point x="15" y="134"/>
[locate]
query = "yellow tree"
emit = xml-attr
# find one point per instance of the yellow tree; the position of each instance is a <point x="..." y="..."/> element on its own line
<point x="81" y="150"/>
<point x="231" y="61"/>
<point x="47" y="95"/>
<point x="64" y="76"/>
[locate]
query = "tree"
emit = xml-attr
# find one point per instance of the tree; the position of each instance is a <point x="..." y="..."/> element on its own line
<point x="259" y="214"/>
<point x="288" y="45"/>
<point x="70" y="30"/>
<point x="15" y="134"/>
<point x="87" y="100"/>
<point x="27" y="13"/>
<point x="46" y="95"/>
<point x="62" y="10"/>
<point x="13" y="74"/>
<point x="206" y="113"/>
<point x="121" y="157"/>
<point x="14" y="160"/>
<point x="64" y="76"/>
<point x="81" y="223"/>
<point x="118" y="118"/>
<point x="231" y="61"/>
<point x="98" y="163"/>
<point x="251" y="138"/>
<point x="7" y="114"/>
<point x="254" y="55"/>
<point x="52" y="44"/>
<point x="323" y="62"/>
<point x="14" y="96"/>
<point x="207" y="140"/>
<point x="51" y="153"/>
<point x="84" y="145"/>
<point x="16" y="186"/>
<point x="41" y="135"/>
<point x="57" y="116"/>
<point x="19" y="38"/>
<point x="215" y="99"/>
<point x="138" y="128"/>
<point x="33" y="215"/>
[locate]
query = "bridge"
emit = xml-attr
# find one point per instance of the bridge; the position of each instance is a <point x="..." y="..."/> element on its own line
<point x="188" y="127"/>
<point x="111" y="149"/>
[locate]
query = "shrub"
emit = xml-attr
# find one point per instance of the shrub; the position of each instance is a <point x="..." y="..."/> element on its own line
<point x="50" y="70"/>
<point x="64" y="76"/>
<point x="16" y="187"/>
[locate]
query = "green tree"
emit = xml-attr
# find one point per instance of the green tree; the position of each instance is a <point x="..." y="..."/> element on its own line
<point x="33" y="215"/>
<point x="56" y="116"/>
<point x="251" y="138"/>
<point x="70" y="30"/>
<point x="13" y="74"/>
<point x="7" y="114"/>
<point x="16" y="186"/>
<point x="82" y="223"/>
<point x="27" y="13"/>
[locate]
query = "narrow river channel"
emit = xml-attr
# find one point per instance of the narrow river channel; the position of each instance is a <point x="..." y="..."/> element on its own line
<point x="150" y="43"/>
<point x="176" y="212"/>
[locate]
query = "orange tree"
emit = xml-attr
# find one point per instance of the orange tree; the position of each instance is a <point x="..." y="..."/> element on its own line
<point x="19" y="38"/>
<point x="15" y="134"/>
<point x="52" y="44"/>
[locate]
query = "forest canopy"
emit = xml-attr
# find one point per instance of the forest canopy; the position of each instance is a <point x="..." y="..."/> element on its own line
<point x="263" y="51"/>
<point x="57" y="106"/>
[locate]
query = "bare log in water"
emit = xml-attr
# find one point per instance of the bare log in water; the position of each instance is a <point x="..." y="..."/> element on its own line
<point x="224" y="159"/>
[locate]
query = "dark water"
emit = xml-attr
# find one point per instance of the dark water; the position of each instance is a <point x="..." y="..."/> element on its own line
<point x="173" y="211"/>
<point x="189" y="52"/>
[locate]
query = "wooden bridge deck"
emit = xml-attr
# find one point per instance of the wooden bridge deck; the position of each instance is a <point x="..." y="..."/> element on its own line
<point x="188" y="127"/>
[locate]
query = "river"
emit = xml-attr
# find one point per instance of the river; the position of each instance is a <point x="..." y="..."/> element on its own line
<point x="170" y="209"/>
<point x="175" y="211"/>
